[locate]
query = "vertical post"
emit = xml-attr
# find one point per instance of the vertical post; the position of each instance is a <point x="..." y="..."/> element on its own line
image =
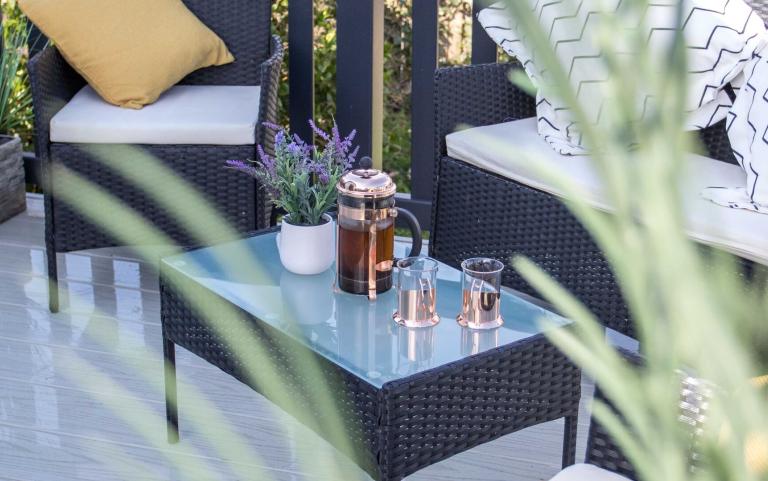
<point x="360" y="73"/>
<point x="301" y="67"/>
<point x="483" y="48"/>
<point x="424" y="60"/>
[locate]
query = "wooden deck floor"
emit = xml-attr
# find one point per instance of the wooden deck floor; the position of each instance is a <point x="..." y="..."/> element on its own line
<point x="55" y="426"/>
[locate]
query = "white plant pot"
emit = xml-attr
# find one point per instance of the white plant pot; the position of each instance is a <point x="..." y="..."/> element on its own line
<point x="307" y="250"/>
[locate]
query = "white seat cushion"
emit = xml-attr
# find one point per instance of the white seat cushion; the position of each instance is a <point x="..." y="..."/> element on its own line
<point x="512" y="150"/>
<point x="587" y="472"/>
<point x="185" y="114"/>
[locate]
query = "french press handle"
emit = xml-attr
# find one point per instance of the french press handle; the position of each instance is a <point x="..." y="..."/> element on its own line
<point x="413" y="225"/>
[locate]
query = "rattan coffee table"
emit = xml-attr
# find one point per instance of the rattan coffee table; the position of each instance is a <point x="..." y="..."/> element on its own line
<point x="395" y="400"/>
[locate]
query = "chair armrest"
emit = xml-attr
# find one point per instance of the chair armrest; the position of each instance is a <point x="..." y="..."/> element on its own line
<point x="476" y="95"/>
<point x="54" y="82"/>
<point x="270" y="83"/>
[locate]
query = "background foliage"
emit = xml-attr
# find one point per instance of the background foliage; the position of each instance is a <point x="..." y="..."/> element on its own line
<point x="16" y="118"/>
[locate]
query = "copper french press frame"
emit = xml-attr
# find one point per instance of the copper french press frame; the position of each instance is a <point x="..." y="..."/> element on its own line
<point x="374" y="216"/>
<point x="367" y="195"/>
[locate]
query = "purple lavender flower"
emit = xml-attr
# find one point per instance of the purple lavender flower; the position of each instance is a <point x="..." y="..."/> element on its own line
<point x="272" y="126"/>
<point x="318" y="131"/>
<point x="280" y="137"/>
<point x="294" y="149"/>
<point x="266" y="161"/>
<point x="297" y="168"/>
<point x="241" y="166"/>
<point x="351" y="158"/>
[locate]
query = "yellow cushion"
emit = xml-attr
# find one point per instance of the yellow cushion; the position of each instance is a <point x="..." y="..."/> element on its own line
<point x="129" y="51"/>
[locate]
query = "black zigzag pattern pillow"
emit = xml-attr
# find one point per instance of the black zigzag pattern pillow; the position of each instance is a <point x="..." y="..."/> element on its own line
<point x="721" y="37"/>
<point x="747" y="127"/>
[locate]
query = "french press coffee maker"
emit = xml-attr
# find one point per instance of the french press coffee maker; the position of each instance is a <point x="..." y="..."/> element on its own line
<point x="366" y="230"/>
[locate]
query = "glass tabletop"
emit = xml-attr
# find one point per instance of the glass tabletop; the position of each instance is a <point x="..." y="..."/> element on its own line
<point x="349" y="330"/>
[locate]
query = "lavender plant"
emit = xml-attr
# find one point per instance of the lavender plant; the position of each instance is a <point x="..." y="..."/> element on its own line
<point x="301" y="178"/>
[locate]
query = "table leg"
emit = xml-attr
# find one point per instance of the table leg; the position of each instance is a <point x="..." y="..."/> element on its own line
<point x="171" y="399"/>
<point x="569" y="440"/>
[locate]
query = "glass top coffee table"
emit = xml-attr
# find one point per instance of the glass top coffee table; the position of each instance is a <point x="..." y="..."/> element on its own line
<point x="394" y="399"/>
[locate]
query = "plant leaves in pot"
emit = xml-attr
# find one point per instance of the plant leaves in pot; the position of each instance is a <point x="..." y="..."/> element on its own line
<point x="301" y="181"/>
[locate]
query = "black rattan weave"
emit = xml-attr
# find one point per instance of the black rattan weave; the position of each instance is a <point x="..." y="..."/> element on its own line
<point x="245" y="27"/>
<point x="481" y="214"/>
<point x="406" y="424"/>
<point x="604" y="452"/>
<point x="509" y="218"/>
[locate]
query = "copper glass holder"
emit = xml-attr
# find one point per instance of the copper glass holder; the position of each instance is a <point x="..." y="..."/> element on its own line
<point x="416" y="292"/>
<point x="480" y="294"/>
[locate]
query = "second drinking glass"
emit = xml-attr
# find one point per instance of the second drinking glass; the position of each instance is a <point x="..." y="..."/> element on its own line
<point x="481" y="293"/>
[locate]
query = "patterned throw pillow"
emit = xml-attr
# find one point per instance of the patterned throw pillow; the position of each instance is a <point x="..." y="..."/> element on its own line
<point x="721" y="36"/>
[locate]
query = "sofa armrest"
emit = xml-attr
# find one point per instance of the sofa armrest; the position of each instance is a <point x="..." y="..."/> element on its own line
<point x="54" y="82"/>
<point x="476" y="95"/>
<point x="268" y="105"/>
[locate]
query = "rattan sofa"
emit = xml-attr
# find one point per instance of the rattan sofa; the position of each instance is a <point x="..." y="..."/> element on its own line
<point x="244" y="25"/>
<point x="478" y="213"/>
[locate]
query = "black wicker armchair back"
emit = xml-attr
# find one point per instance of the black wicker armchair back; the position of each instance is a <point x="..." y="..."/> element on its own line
<point x="244" y="25"/>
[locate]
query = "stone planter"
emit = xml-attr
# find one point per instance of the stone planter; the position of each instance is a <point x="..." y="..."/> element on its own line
<point x="12" y="188"/>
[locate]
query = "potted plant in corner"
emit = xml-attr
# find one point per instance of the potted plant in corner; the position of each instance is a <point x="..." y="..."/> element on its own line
<point x="15" y="104"/>
<point x="301" y="180"/>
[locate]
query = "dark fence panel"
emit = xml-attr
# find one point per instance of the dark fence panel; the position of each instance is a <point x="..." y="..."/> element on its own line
<point x="483" y="48"/>
<point x="359" y="72"/>
<point x="301" y="66"/>
<point x="424" y="51"/>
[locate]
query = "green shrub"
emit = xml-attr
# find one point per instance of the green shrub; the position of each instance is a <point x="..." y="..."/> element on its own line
<point x="15" y="96"/>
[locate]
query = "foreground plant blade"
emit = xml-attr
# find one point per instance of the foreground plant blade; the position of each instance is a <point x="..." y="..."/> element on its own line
<point x="690" y="309"/>
<point x="200" y="219"/>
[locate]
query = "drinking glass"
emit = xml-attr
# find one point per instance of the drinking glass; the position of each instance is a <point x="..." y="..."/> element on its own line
<point x="416" y="292"/>
<point x="481" y="293"/>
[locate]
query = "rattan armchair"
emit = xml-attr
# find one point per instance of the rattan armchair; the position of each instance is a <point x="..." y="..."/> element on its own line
<point x="244" y="25"/>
